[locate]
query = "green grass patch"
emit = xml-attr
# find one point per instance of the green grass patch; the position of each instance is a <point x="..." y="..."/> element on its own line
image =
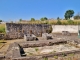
<point x="36" y="49"/>
<point x="2" y="28"/>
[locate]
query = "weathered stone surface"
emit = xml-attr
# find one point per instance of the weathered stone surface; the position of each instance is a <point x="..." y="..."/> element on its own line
<point x="30" y="37"/>
<point x="2" y="57"/>
<point x="46" y="36"/>
<point x="18" y="30"/>
<point x="13" y="51"/>
<point x="67" y="33"/>
<point x="29" y="58"/>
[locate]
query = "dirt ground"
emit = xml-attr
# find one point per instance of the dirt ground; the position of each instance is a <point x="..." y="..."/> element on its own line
<point x="4" y="44"/>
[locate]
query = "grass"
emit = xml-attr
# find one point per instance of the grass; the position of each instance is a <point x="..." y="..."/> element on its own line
<point x="36" y="49"/>
<point x="2" y="43"/>
<point x="2" y="28"/>
<point x="71" y="54"/>
<point x="63" y="22"/>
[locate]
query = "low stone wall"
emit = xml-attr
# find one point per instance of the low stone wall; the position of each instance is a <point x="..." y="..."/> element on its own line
<point x="60" y="28"/>
<point x="48" y="56"/>
<point x="15" y="49"/>
<point x="40" y="44"/>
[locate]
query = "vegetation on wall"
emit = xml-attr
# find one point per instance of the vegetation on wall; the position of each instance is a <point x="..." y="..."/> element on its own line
<point x="2" y="28"/>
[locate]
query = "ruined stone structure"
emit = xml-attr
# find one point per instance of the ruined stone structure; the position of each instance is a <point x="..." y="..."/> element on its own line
<point x="30" y="37"/>
<point x="15" y="49"/>
<point x="14" y="30"/>
<point x="46" y="36"/>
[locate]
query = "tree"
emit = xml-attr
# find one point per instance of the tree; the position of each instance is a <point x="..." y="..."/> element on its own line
<point x="58" y="18"/>
<point x="69" y="14"/>
<point x="20" y="20"/>
<point x="0" y="20"/>
<point x="32" y="19"/>
<point x="77" y="16"/>
<point x="44" y="18"/>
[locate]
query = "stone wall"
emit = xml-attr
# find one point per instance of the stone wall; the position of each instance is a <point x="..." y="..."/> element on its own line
<point x="14" y="30"/>
<point x="2" y="36"/>
<point x="60" y="28"/>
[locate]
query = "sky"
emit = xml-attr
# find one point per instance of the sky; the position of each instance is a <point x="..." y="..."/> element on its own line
<point x="13" y="10"/>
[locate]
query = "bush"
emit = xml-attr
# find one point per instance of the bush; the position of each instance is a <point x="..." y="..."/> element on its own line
<point x="2" y="28"/>
<point x="64" y="23"/>
<point x="32" y="19"/>
<point x="75" y="23"/>
<point x="78" y="23"/>
<point x="58" y="22"/>
<point x="70" y="22"/>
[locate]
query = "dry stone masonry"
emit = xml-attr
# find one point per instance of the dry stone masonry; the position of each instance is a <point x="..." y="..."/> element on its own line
<point x="46" y="36"/>
<point x="30" y="37"/>
<point x="14" y="30"/>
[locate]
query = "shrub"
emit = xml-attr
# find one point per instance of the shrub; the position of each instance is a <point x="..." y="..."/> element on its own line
<point x="75" y="23"/>
<point x="70" y="22"/>
<point x="50" y="30"/>
<point x="2" y="28"/>
<point x="58" y="22"/>
<point x="32" y="19"/>
<point x="78" y="23"/>
<point x="64" y="23"/>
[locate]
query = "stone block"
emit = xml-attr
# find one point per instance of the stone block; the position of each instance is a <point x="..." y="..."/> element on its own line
<point x="46" y="36"/>
<point x="30" y="37"/>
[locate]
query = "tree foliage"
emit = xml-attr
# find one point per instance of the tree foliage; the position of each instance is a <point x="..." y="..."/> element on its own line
<point x="58" y="18"/>
<point x="69" y="14"/>
<point x="32" y="19"/>
<point x="77" y="16"/>
<point x="44" y="18"/>
<point x="0" y="20"/>
<point x="20" y="19"/>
